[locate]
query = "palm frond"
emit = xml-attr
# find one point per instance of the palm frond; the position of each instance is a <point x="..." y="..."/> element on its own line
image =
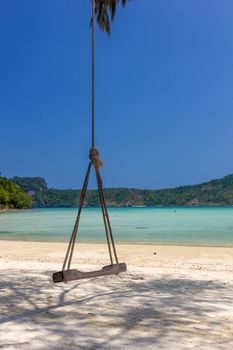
<point x="105" y="11"/>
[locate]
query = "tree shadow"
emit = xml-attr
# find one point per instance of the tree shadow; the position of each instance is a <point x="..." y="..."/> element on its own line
<point x="112" y="312"/>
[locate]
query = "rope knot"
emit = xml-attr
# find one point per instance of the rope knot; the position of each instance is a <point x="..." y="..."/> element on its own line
<point x="94" y="157"/>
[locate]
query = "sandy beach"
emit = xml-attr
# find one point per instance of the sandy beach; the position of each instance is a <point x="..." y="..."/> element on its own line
<point x="172" y="297"/>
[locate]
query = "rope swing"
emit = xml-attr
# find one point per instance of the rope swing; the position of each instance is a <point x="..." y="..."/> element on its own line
<point x="68" y="274"/>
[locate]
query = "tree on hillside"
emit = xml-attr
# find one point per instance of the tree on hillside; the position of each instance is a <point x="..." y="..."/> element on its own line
<point x="12" y="196"/>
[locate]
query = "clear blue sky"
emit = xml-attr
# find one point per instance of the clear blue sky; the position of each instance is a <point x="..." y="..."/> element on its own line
<point x="164" y="92"/>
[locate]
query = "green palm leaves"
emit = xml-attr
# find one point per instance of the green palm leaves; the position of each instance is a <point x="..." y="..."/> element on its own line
<point x="105" y="11"/>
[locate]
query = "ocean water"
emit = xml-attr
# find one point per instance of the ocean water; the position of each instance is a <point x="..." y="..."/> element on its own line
<point x="164" y="225"/>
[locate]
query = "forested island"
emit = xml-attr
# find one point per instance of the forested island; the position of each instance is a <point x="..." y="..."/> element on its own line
<point x="13" y="196"/>
<point x="213" y="193"/>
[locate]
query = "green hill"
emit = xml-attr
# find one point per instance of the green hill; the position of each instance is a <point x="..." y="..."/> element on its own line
<point x="212" y="193"/>
<point x="12" y="196"/>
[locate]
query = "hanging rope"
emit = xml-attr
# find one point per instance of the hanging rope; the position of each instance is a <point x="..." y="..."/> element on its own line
<point x="93" y="73"/>
<point x="97" y="164"/>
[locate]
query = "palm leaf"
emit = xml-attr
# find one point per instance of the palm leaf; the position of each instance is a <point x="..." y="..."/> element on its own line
<point x="105" y="11"/>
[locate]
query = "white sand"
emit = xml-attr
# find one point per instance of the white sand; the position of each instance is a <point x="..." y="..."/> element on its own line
<point x="178" y="298"/>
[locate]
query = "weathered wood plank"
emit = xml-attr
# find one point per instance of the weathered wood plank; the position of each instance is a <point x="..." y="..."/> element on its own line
<point x="70" y="275"/>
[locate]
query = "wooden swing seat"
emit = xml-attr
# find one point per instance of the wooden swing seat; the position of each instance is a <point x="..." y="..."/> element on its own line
<point x="71" y="275"/>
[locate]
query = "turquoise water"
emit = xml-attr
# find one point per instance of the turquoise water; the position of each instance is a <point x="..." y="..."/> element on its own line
<point x="200" y="226"/>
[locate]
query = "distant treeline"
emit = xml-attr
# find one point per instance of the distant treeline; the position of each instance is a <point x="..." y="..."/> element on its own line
<point x="12" y="196"/>
<point x="212" y="193"/>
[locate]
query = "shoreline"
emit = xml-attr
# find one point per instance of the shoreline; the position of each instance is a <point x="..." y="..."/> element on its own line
<point x="126" y="207"/>
<point x="120" y="243"/>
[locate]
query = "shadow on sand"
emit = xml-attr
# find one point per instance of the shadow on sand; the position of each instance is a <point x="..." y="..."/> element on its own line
<point x="112" y="312"/>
